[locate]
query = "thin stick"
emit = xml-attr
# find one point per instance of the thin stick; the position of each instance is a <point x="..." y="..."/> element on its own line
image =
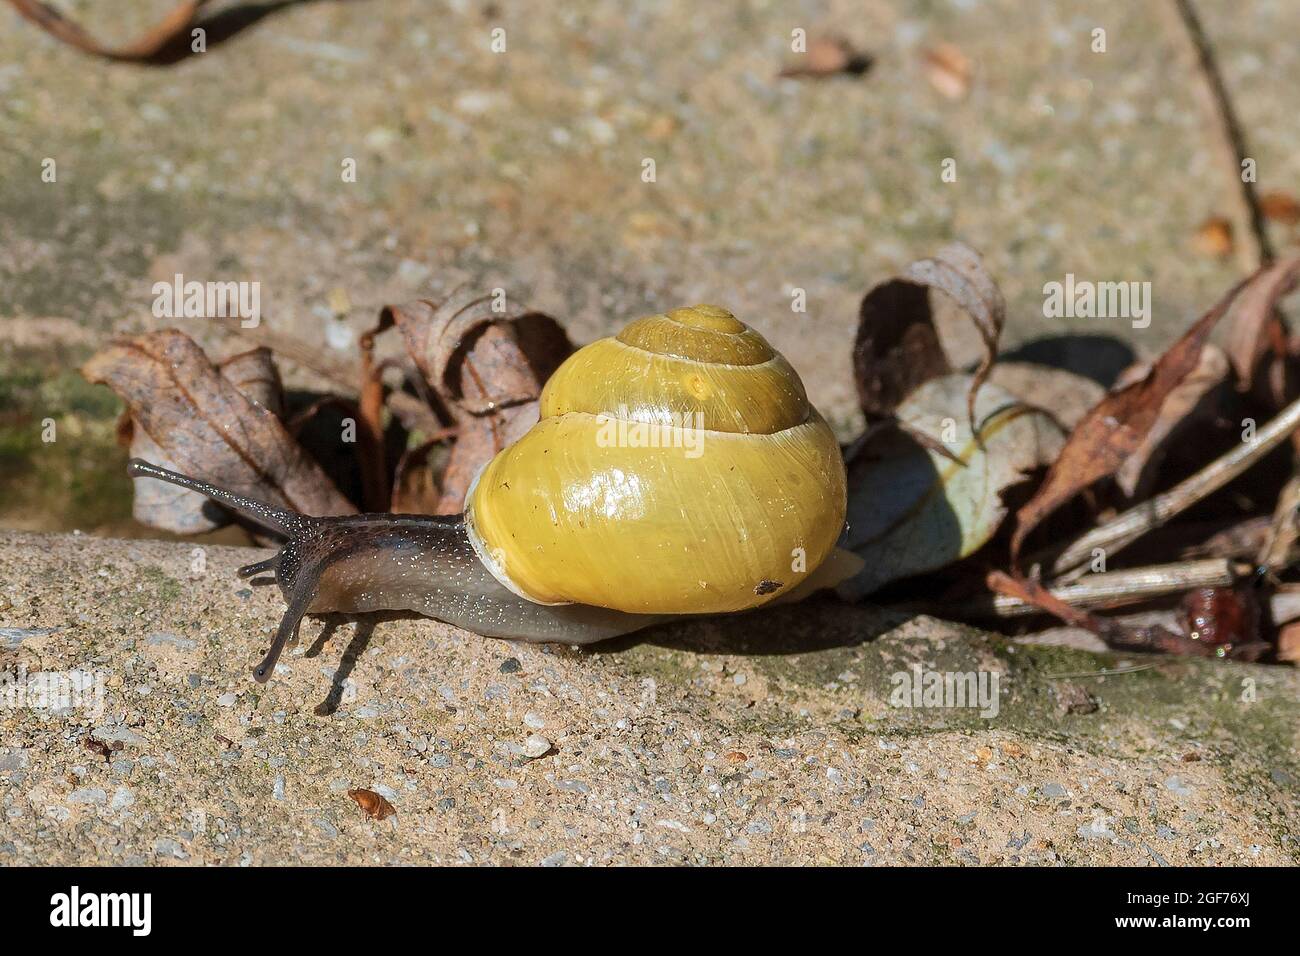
<point x="1117" y="588"/>
<point x="1229" y="143"/>
<point x="1123" y="530"/>
<point x="1284" y="605"/>
<point x="1282" y="533"/>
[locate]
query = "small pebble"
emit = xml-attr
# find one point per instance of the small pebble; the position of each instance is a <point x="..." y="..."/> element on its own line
<point x="537" y="746"/>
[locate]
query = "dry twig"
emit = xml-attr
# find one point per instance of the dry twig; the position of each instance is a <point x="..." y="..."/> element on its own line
<point x="1123" y="530"/>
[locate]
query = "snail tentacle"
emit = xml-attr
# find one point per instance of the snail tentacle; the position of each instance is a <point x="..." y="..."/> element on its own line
<point x="286" y="522"/>
<point x="299" y="602"/>
<point x="248" y="570"/>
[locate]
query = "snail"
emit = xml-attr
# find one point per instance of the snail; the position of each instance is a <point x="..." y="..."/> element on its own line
<point x="677" y="468"/>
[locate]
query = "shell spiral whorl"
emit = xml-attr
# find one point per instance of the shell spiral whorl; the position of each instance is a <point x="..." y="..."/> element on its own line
<point x="678" y="467"/>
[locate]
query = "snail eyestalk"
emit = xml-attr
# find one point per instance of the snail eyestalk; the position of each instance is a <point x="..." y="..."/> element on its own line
<point x="288" y="523"/>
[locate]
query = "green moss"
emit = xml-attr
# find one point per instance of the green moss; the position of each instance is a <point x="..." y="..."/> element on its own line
<point x="76" y="480"/>
<point x="162" y="584"/>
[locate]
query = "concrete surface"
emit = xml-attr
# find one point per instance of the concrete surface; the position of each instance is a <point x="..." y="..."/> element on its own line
<point x="707" y="742"/>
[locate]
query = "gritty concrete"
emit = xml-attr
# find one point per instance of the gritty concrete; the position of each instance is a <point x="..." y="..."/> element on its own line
<point x="705" y="742"/>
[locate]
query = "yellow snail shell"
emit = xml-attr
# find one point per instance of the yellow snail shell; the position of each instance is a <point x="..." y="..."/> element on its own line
<point x="677" y="468"/>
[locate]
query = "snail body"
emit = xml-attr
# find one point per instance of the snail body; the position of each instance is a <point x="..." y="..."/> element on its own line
<point x="677" y="468"/>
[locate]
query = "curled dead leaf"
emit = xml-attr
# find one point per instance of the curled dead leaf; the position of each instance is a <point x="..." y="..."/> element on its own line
<point x="414" y="489"/>
<point x="488" y="365"/>
<point x="912" y="508"/>
<point x="374" y="805"/>
<point x="907" y="336"/>
<point x="1065" y="395"/>
<point x="187" y="415"/>
<point x="1186" y="406"/>
<point x="174" y="27"/>
<point x="829" y="56"/>
<point x="185" y="512"/>
<point x="1249" y="335"/>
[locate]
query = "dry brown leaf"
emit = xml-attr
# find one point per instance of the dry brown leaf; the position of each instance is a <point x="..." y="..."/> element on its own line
<point x="829" y="56"/>
<point x="174" y="509"/>
<point x="1183" y="408"/>
<point x="374" y="805"/>
<point x="255" y="374"/>
<point x="376" y="491"/>
<point x="191" y="418"/>
<point x="1214" y="238"/>
<point x="1280" y="207"/>
<point x="948" y="70"/>
<point x="1117" y="426"/>
<point x="173" y="27"/>
<point x="487" y="366"/>
<point x="900" y="338"/>
<point x="1248" y="326"/>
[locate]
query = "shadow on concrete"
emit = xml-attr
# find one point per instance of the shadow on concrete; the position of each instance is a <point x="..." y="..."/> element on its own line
<point x="818" y="624"/>
<point x="220" y="27"/>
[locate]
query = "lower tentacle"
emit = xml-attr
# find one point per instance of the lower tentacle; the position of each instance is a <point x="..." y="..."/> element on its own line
<point x="304" y="593"/>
